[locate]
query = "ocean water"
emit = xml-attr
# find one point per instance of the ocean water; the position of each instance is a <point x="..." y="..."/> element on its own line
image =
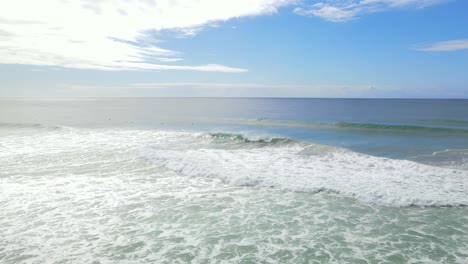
<point x="213" y="180"/>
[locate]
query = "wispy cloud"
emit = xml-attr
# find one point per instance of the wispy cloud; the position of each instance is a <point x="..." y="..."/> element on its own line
<point x="346" y="10"/>
<point x="451" y="45"/>
<point x="112" y="35"/>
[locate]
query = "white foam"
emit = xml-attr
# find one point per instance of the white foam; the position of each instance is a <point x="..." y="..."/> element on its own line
<point x="83" y="196"/>
<point x="289" y="165"/>
<point x="367" y="178"/>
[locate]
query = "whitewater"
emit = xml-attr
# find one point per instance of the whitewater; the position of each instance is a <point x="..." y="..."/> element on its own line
<point x="224" y="189"/>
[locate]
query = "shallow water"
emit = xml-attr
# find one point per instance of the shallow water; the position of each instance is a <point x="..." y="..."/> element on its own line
<point x="74" y="191"/>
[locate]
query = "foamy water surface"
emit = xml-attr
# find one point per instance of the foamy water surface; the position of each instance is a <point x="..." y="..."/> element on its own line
<point x="76" y="195"/>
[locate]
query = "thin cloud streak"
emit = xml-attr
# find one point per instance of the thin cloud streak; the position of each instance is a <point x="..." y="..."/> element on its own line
<point x="450" y="45"/>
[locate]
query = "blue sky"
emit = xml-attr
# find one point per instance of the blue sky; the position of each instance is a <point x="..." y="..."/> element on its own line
<point x="271" y="48"/>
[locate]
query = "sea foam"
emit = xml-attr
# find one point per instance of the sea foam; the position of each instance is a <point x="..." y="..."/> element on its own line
<point x="308" y="167"/>
<point x="258" y="161"/>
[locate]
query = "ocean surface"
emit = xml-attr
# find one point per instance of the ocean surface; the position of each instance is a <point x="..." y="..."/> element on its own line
<point x="213" y="180"/>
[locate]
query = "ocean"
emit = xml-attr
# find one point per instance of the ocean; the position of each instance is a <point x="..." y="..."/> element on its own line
<point x="218" y="180"/>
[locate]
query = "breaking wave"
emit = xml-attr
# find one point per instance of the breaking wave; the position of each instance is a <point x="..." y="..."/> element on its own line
<point x="309" y="167"/>
<point x="255" y="160"/>
<point x="240" y="138"/>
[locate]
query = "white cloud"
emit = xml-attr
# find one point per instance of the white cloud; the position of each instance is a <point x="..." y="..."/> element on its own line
<point x="122" y="34"/>
<point x="450" y="45"/>
<point x="111" y="34"/>
<point x="345" y="10"/>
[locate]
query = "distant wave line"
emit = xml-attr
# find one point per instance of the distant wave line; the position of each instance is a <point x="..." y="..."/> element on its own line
<point x="352" y="125"/>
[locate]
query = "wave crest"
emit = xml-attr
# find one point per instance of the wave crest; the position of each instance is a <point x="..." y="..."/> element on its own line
<point x="246" y="139"/>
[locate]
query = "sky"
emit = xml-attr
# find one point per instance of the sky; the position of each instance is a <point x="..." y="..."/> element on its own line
<point x="234" y="48"/>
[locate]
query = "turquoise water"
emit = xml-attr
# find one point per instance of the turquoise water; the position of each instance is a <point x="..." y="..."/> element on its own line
<point x="179" y="180"/>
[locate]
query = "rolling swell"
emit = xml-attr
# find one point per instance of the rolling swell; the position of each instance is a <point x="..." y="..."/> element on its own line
<point x="408" y="128"/>
<point x="445" y="121"/>
<point x="378" y="127"/>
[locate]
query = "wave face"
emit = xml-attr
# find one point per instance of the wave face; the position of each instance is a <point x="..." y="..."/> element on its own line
<point x="307" y="167"/>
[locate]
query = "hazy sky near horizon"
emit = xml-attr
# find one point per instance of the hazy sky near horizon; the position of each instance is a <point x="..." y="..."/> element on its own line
<point x="270" y="48"/>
